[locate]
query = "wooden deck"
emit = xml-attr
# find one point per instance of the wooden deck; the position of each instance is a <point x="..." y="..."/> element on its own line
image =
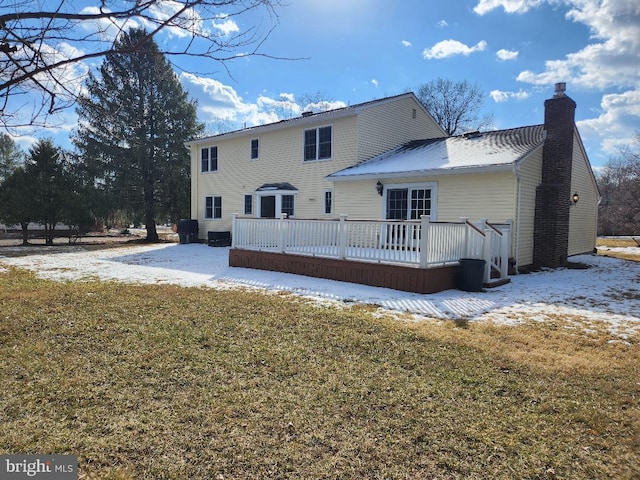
<point x="397" y="277"/>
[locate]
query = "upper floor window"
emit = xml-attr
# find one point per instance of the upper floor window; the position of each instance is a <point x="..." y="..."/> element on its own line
<point x="209" y="159"/>
<point x="212" y="207"/>
<point x="317" y="143"/>
<point x="254" y="149"/>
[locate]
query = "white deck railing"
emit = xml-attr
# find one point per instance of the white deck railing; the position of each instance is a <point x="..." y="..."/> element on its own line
<point x="422" y="243"/>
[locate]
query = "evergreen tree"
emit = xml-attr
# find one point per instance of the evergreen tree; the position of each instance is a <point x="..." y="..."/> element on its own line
<point x="50" y="189"/>
<point x="133" y="125"/>
<point x="10" y="156"/>
<point x="16" y="206"/>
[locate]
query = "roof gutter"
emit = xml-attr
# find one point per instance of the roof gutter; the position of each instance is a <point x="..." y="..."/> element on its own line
<point x="433" y="172"/>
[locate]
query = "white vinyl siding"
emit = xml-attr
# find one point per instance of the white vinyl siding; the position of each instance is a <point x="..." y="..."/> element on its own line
<point x="389" y="125"/>
<point x="584" y="214"/>
<point x="281" y="147"/>
<point x="530" y="172"/>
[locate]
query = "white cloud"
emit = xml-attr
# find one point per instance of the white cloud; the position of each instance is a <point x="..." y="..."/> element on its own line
<point x="220" y="104"/>
<point x="182" y="25"/>
<point x="509" y="6"/>
<point x="449" y="48"/>
<point x="442" y="24"/>
<point x="610" y="62"/>
<point x="285" y="106"/>
<point x="506" y="55"/>
<point x="106" y="29"/>
<point x="406" y="43"/>
<point x="323" y="106"/>
<point x="499" y="96"/>
<point x="616" y="123"/>
<point x="227" y="27"/>
<point x="374" y="82"/>
<point x="216" y="100"/>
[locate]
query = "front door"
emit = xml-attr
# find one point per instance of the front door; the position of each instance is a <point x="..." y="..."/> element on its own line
<point x="268" y="206"/>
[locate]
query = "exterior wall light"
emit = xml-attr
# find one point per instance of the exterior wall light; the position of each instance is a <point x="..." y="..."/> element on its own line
<point x="575" y="198"/>
<point x="379" y="188"/>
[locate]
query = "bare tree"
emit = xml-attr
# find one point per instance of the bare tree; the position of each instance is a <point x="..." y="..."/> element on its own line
<point x="455" y="106"/>
<point x="619" y="185"/>
<point x="46" y="47"/>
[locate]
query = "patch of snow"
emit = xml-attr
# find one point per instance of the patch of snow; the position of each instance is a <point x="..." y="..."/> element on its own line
<point x="608" y="293"/>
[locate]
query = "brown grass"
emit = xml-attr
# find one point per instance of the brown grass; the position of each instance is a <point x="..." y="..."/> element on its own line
<point x="169" y="382"/>
<point x="633" y="255"/>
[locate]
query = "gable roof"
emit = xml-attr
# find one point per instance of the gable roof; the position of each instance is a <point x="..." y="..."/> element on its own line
<point x="486" y="151"/>
<point x="306" y="119"/>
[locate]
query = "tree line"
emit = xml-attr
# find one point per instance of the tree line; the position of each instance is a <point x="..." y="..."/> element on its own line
<point x="619" y="184"/>
<point x="129" y="156"/>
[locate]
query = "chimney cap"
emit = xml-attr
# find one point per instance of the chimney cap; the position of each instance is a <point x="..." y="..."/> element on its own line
<point x="560" y="89"/>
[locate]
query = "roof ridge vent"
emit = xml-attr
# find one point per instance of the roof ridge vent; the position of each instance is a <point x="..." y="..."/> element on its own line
<point x="307" y="113"/>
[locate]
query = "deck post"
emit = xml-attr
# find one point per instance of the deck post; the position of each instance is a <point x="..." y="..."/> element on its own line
<point x="505" y="250"/>
<point x="342" y="237"/>
<point x="234" y="230"/>
<point x="486" y="250"/>
<point x="283" y="232"/>
<point x="425" y="223"/>
<point x="464" y="220"/>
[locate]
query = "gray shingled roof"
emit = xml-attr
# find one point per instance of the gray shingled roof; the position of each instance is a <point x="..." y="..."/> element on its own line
<point x="500" y="148"/>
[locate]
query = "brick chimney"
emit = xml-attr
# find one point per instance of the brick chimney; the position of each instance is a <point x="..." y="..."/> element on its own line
<point x="553" y="195"/>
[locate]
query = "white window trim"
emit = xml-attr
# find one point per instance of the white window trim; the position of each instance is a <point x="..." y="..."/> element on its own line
<point x="213" y="208"/>
<point x="217" y="159"/>
<point x="253" y="204"/>
<point x="433" y="186"/>
<point x="278" y="194"/>
<point x="317" y="129"/>
<point x="253" y="159"/>
<point x="324" y="199"/>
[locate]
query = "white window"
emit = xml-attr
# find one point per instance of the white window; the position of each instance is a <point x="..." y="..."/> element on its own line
<point x="255" y="150"/>
<point x="410" y="202"/>
<point x="328" y="202"/>
<point x="318" y="143"/>
<point x="213" y="207"/>
<point x="288" y="205"/>
<point x="248" y="204"/>
<point x="209" y="159"/>
<point x="273" y="203"/>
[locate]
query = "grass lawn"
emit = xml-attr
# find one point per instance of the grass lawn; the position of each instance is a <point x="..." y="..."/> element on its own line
<point x="164" y="382"/>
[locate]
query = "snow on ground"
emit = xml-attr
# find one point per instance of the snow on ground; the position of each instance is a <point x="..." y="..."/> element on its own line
<point x="608" y="292"/>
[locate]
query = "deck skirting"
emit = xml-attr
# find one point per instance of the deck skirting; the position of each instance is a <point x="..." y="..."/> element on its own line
<point x="397" y="277"/>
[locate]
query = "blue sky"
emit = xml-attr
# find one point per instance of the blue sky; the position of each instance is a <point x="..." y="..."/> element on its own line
<point x="358" y="50"/>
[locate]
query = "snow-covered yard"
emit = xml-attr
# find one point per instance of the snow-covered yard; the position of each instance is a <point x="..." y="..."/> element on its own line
<point x="608" y="292"/>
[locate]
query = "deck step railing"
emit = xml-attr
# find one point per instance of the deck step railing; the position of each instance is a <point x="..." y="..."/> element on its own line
<point x="422" y="243"/>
